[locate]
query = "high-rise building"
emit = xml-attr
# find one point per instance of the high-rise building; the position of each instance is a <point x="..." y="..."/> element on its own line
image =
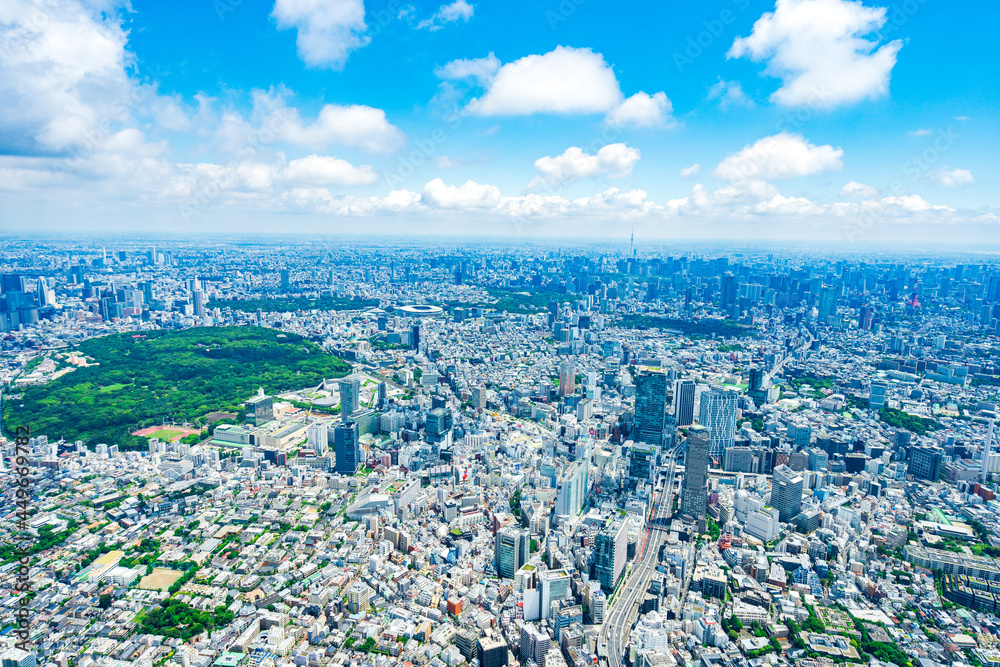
<point x="534" y="644"/>
<point x="694" y="490"/>
<point x="260" y="408"/>
<point x="572" y="485"/>
<point x="199" y="303"/>
<point x="718" y="413"/>
<point x="383" y="395"/>
<point x="730" y="290"/>
<point x="611" y="548"/>
<point x="650" y="407"/>
<point x="925" y="462"/>
<point x="786" y="492"/>
<point x="877" y="395"/>
<point x="285" y="280"/>
<point x="567" y="378"/>
<point x="16" y="657"/>
<point x="350" y="395"/>
<point x="347" y="448"/>
<point x="358" y="595"/>
<point x="555" y="586"/>
<point x="684" y="395"/>
<point x="511" y="550"/>
<point x="642" y="462"/>
<point x="415" y="337"/>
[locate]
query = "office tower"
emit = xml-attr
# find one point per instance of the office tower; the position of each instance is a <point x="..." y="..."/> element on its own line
<point x="346" y="448"/>
<point x="199" y="303"/>
<point x="738" y="459"/>
<point x="729" y="290"/>
<point x="694" y="490"/>
<point x="350" y="395"/>
<point x="318" y="438"/>
<point x="492" y="652"/>
<point x="865" y="317"/>
<point x="925" y="463"/>
<point x="511" y="547"/>
<point x="642" y="462"/>
<point x="786" y="492"/>
<point x="555" y="586"/>
<point x="260" y="408"/>
<point x="383" y="395"/>
<point x="611" y="547"/>
<point x="827" y="304"/>
<point x="572" y="488"/>
<point x="684" y="395"/>
<point x="756" y="380"/>
<point x="11" y="282"/>
<point x="478" y="398"/>
<point x="650" y="407"/>
<point x="877" y="395"/>
<point x="718" y="413"/>
<point x="567" y="378"/>
<point x="285" y="280"/>
<point x="415" y="337"/>
<point x="438" y="423"/>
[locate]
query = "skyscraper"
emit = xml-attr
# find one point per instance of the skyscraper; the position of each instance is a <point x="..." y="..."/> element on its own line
<point x="350" y="395"/>
<point x="718" y="412"/>
<point x="572" y="488"/>
<point x="346" y="447"/>
<point x="684" y="394"/>
<point x="511" y="550"/>
<point x="567" y="378"/>
<point x="612" y="550"/>
<point x="786" y="492"/>
<point x="650" y="407"/>
<point x="694" y="491"/>
<point x="925" y="462"/>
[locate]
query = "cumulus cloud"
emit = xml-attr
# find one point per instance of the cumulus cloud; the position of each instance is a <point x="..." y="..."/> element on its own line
<point x="563" y="81"/>
<point x="642" y="110"/>
<point x="858" y="190"/>
<point x="613" y="160"/>
<point x="324" y="170"/>
<point x="328" y="30"/>
<point x="458" y="10"/>
<point x="820" y="51"/>
<point x="922" y="132"/>
<point x="779" y="156"/>
<point x="692" y="171"/>
<point x="353" y="125"/>
<point x="952" y="178"/>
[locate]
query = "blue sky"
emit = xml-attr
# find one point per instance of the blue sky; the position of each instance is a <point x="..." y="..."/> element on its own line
<point x="856" y="121"/>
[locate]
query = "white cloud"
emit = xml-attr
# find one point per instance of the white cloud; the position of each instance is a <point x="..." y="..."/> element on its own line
<point x="458" y="10"/>
<point x="783" y="155"/>
<point x="953" y="178"/>
<point x="353" y="125"/>
<point x="324" y="170"/>
<point x="818" y="48"/>
<point x="471" y="195"/>
<point x="922" y="132"/>
<point x="730" y="94"/>
<point x="642" y="110"/>
<point x="613" y="160"/>
<point x="563" y="81"/>
<point x="692" y="171"/>
<point x="483" y="70"/>
<point x="328" y="30"/>
<point x="906" y="204"/>
<point x="780" y="205"/>
<point x="859" y="190"/>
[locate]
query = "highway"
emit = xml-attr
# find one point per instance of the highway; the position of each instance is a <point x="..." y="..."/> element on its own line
<point x="618" y="621"/>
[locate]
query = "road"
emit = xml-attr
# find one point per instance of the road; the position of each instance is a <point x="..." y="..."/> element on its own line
<point x="781" y="364"/>
<point x="618" y="622"/>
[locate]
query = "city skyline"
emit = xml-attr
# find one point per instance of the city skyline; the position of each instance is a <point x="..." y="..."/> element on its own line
<point x="460" y="118"/>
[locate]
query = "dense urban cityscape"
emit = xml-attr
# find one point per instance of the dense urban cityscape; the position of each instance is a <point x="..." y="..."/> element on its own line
<point x="445" y="452"/>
